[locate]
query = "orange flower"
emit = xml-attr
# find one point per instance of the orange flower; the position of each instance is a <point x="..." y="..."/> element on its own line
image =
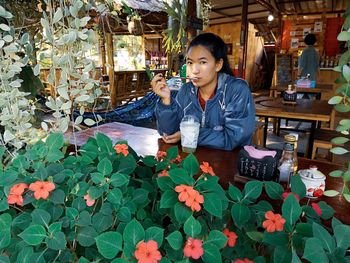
<point x="147" y="252"/>
<point x="194" y="201"/>
<point x="18" y="189"/>
<point x="193" y="248"/>
<point x="184" y="191"/>
<point x="232" y="237"/>
<point x="163" y="173"/>
<point x="206" y="168"/>
<point x="245" y="260"/>
<point x="15" y="199"/>
<point x="89" y="201"/>
<point x="317" y="209"/>
<point x="274" y="222"/>
<point x="176" y="160"/>
<point x="161" y="155"/>
<point x="41" y="189"/>
<point x="122" y="148"/>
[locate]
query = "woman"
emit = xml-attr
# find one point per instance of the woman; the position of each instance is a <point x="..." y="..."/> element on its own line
<point x="221" y="102"/>
<point x="309" y="59"/>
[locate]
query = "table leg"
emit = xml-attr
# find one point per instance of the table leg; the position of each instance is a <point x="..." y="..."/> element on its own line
<point x="265" y="129"/>
<point x="311" y="140"/>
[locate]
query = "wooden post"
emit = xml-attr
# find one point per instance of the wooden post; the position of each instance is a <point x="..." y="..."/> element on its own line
<point x="191" y="12"/>
<point x="101" y="43"/>
<point x="243" y="40"/>
<point x="110" y="61"/>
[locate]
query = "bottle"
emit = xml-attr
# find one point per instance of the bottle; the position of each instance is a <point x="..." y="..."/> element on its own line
<point x="295" y="155"/>
<point x="285" y="166"/>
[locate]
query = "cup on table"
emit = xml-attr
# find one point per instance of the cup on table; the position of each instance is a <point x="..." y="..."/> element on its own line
<point x="189" y="129"/>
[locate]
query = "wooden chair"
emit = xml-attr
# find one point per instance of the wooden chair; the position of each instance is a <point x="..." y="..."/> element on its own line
<point x="258" y="136"/>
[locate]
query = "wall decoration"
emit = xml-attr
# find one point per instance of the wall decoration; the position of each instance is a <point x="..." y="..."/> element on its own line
<point x="294" y="43"/>
<point x="318" y="27"/>
<point x="292" y="33"/>
<point x="306" y="31"/>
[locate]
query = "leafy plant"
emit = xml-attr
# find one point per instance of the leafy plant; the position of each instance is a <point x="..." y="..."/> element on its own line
<point x="107" y="204"/>
<point x="341" y="102"/>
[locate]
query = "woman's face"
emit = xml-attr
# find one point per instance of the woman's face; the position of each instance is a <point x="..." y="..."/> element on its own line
<point x="202" y="68"/>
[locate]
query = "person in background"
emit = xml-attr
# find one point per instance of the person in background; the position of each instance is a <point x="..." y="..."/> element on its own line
<point x="309" y="59"/>
<point x="223" y="103"/>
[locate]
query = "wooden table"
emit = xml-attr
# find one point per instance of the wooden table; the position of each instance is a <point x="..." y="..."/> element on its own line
<point x="312" y="111"/>
<point x="147" y="142"/>
<point x="319" y="90"/>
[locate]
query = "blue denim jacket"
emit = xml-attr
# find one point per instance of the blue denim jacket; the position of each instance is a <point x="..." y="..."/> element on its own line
<point x="227" y="121"/>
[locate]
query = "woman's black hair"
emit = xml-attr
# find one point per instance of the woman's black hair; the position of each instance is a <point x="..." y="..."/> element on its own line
<point x="310" y="39"/>
<point x="216" y="46"/>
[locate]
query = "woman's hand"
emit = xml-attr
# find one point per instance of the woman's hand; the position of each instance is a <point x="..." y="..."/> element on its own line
<point x="174" y="138"/>
<point x="160" y="88"/>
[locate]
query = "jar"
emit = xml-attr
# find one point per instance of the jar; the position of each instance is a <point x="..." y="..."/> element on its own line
<point x="314" y="181"/>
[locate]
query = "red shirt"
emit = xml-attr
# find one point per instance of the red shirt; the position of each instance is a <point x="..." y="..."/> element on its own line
<point x="202" y="101"/>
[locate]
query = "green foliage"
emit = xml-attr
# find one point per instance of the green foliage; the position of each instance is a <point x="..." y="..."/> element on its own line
<point x="129" y="207"/>
<point x="341" y="103"/>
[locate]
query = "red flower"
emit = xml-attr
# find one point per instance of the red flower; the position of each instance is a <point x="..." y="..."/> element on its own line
<point x="18" y="189"/>
<point x="122" y="148"/>
<point x="15" y="199"/>
<point x="41" y="189"/>
<point x="286" y="193"/>
<point x="274" y="222"/>
<point x="191" y="197"/>
<point x="317" y="209"/>
<point x="232" y="237"/>
<point x="206" y="168"/>
<point x="245" y="260"/>
<point x="89" y="201"/>
<point x="161" y="155"/>
<point x="318" y="193"/>
<point x="193" y="248"/>
<point x="163" y="173"/>
<point x="176" y="160"/>
<point x="147" y="252"/>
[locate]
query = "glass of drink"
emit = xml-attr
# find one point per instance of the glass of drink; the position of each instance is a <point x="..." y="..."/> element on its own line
<point x="189" y="128"/>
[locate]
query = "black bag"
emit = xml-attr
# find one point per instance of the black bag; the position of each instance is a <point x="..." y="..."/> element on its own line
<point x="264" y="169"/>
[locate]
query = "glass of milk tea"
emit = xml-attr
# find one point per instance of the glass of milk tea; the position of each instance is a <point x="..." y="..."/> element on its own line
<point x="189" y="128"/>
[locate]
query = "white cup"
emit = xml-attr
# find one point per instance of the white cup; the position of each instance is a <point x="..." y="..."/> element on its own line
<point x="189" y="128"/>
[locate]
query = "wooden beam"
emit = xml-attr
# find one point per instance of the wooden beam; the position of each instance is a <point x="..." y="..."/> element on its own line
<point x="243" y="40"/>
<point x="101" y="43"/>
<point x="110" y="69"/>
<point x="239" y="15"/>
<point x="265" y="4"/>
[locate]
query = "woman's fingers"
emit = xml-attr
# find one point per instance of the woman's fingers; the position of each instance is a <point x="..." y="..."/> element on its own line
<point x="157" y="78"/>
<point x="173" y="138"/>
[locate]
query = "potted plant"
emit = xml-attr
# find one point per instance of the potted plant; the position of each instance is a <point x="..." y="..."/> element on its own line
<point x="107" y="204"/>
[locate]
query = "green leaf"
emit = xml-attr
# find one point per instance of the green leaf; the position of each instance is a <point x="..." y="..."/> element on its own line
<point x="192" y="227"/>
<point x="169" y="199"/>
<point x="343" y="36"/>
<point x="346" y="71"/>
<point x="127" y="165"/>
<point x="104" y="143"/>
<point x="71" y="212"/>
<point x="7" y="177"/>
<point x="235" y="193"/>
<point x="95" y="192"/>
<point x="149" y="161"/>
<point x="133" y="232"/>
<point x="336" y="173"/>
<point x="274" y="190"/>
<point x="304" y="229"/>
<point x="295" y="258"/>
<point x="298" y="186"/>
<point x="180" y="176"/>
<point x="124" y="214"/>
<point x="217" y="238"/>
<point x="165" y="183"/>
<point x="277" y="238"/>
<point x="252" y="189"/>
<point x="54" y="155"/>
<point x="314" y="252"/>
<point x="140" y="196"/>
<point x="55" y="141"/>
<point x="109" y="244"/>
<point x="339" y="150"/>
<point x="191" y="164"/>
<point x="240" y="214"/>
<point x="86" y="236"/>
<point x="25" y="254"/>
<point x="41" y="217"/>
<point x="56" y="241"/>
<point x="84" y="219"/>
<point x="102" y="222"/>
<point x="342" y="234"/>
<point x="256" y="236"/>
<point x="118" y="179"/>
<point x="119" y="260"/>
<point x="115" y="196"/>
<point x="97" y="178"/>
<point x="156" y="234"/>
<point x="211" y="254"/>
<point x="5" y="221"/>
<point x="175" y="240"/>
<point x="22" y="221"/>
<point x="339" y="140"/>
<point x="291" y="210"/>
<point x="105" y="167"/>
<point x="57" y="196"/>
<point x="55" y="227"/>
<point x="5" y="238"/>
<point x="213" y="204"/>
<point x="327" y="211"/>
<point x="172" y="153"/>
<point x="33" y="235"/>
<point x="330" y="193"/>
<point x="4" y="259"/>
<point x="282" y="255"/>
<point x="327" y="241"/>
<point x="182" y="212"/>
<point x="335" y="100"/>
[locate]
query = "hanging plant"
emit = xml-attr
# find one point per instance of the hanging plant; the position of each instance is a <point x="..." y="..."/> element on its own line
<point x="134" y="20"/>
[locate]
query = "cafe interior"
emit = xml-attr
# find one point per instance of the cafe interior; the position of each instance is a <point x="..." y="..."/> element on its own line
<point x="135" y="40"/>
